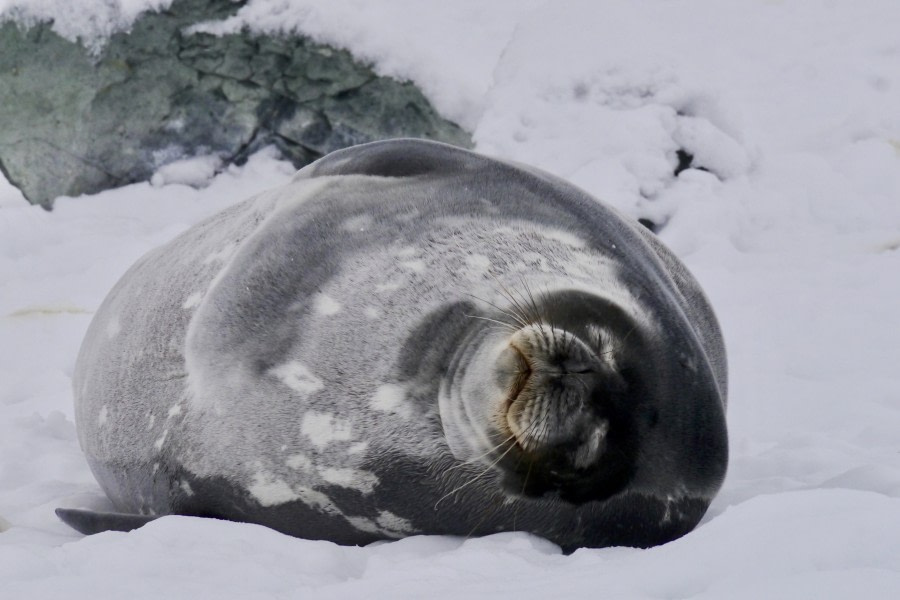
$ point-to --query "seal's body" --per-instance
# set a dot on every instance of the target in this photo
(409, 338)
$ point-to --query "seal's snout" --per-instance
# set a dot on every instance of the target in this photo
(564, 391)
(550, 403)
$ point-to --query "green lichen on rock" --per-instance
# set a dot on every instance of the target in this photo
(75, 122)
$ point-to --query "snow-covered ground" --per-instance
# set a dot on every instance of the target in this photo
(792, 227)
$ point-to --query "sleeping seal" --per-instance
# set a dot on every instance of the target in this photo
(409, 338)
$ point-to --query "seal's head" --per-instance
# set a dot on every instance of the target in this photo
(547, 398)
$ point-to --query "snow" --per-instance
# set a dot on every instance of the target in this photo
(92, 21)
(792, 227)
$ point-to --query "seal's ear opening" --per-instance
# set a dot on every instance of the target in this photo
(90, 522)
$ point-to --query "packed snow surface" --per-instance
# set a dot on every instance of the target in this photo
(789, 217)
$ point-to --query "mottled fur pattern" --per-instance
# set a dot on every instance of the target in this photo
(290, 352)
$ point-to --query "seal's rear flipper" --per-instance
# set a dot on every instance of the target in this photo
(89, 522)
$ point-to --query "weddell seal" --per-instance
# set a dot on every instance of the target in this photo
(409, 338)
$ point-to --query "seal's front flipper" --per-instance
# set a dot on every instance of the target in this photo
(89, 522)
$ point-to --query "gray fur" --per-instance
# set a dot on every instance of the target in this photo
(291, 350)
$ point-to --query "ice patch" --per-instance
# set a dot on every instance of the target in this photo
(391, 398)
(324, 428)
(186, 487)
(193, 301)
(196, 171)
(270, 491)
(388, 287)
(371, 312)
(151, 421)
(174, 411)
(101, 418)
(298, 377)
(355, 479)
(326, 305)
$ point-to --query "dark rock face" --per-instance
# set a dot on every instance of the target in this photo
(73, 123)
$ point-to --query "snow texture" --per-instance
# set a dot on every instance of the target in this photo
(792, 225)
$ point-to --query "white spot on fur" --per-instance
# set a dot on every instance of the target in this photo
(394, 524)
(390, 286)
(354, 479)
(407, 252)
(301, 462)
(391, 398)
(387, 524)
(358, 448)
(186, 487)
(414, 265)
(175, 410)
(311, 497)
(565, 237)
(269, 491)
(478, 262)
(155, 468)
(296, 376)
(324, 428)
(667, 516)
(101, 418)
(158, 444)
(359, 223)
(326, 305)
(113, 327)
(193, 301)
(222, 255)
(151, 422)
(371, 312)
(364, 524)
